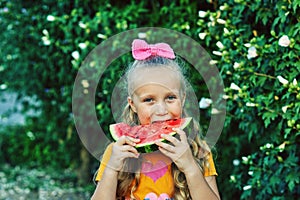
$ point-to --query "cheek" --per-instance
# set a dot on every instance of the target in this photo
(144, 114)
(176, 109)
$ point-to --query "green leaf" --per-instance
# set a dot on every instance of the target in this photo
(268, 117)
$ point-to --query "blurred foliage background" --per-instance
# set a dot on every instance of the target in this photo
(254, 44)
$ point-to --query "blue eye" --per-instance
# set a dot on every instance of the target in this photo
(147, 100)
(171, 97)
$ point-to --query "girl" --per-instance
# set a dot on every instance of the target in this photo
(181, 169)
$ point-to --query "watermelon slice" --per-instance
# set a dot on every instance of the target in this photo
(148, 133)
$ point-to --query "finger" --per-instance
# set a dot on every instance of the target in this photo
(135, 140)
(129, 148)
(165, 152)
(170, 138)
(127, 140)
(181, 133)
(165, 146)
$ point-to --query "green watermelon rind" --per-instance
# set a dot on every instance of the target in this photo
(151, 143)
(182, 126)
(113, 132)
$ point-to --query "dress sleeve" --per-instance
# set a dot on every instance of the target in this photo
(210, 170)
(104, 161)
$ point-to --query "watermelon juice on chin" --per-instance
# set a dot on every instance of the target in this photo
(149, 133)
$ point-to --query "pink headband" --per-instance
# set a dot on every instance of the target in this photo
(141, 50)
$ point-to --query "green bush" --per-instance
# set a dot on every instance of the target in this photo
(255, 45)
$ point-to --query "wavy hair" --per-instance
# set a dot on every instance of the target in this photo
(130, 173)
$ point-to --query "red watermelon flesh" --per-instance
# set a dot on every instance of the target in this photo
(148, 133)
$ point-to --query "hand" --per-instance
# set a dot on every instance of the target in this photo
(123, 148)
(179, 151)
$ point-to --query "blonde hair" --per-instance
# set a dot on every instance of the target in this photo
(128, 177)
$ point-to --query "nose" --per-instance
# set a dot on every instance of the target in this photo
(160, 109)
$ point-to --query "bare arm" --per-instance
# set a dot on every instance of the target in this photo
(107, 187)
(201, 187)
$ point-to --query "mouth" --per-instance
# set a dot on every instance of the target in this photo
(160, 120)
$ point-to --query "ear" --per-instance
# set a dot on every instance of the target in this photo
(131, 104)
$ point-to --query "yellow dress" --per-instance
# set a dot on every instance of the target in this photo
(156, 180)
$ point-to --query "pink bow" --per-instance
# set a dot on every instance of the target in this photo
(141, 50)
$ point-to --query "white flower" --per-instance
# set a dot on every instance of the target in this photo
(220, 45)
(236, 65)
(215, 111)
(202, 13)
(236, 162)
(202, 35)
(233, 86)
(245, 159)
(46, 40)
(268, 145)
(225, 96)
(85, 83)
(250, 173)
(284, 109)
(226, 31)
(205, 103)
(247, 45)
(210, 24)
(3, 86)
(284, 41)
(282, 146)
(82, 25)
(213, 62)
(92, 64)
(252, 52)
(99, 35)
(75, 55)
(282, 80)
(50, 18)
(247, 187)
(295, 82)
(221, 21)
(217, 53)
(45, 32)
(250, 104)
(232, 178)
(222, 7)
(142, 35)
(82, 45)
